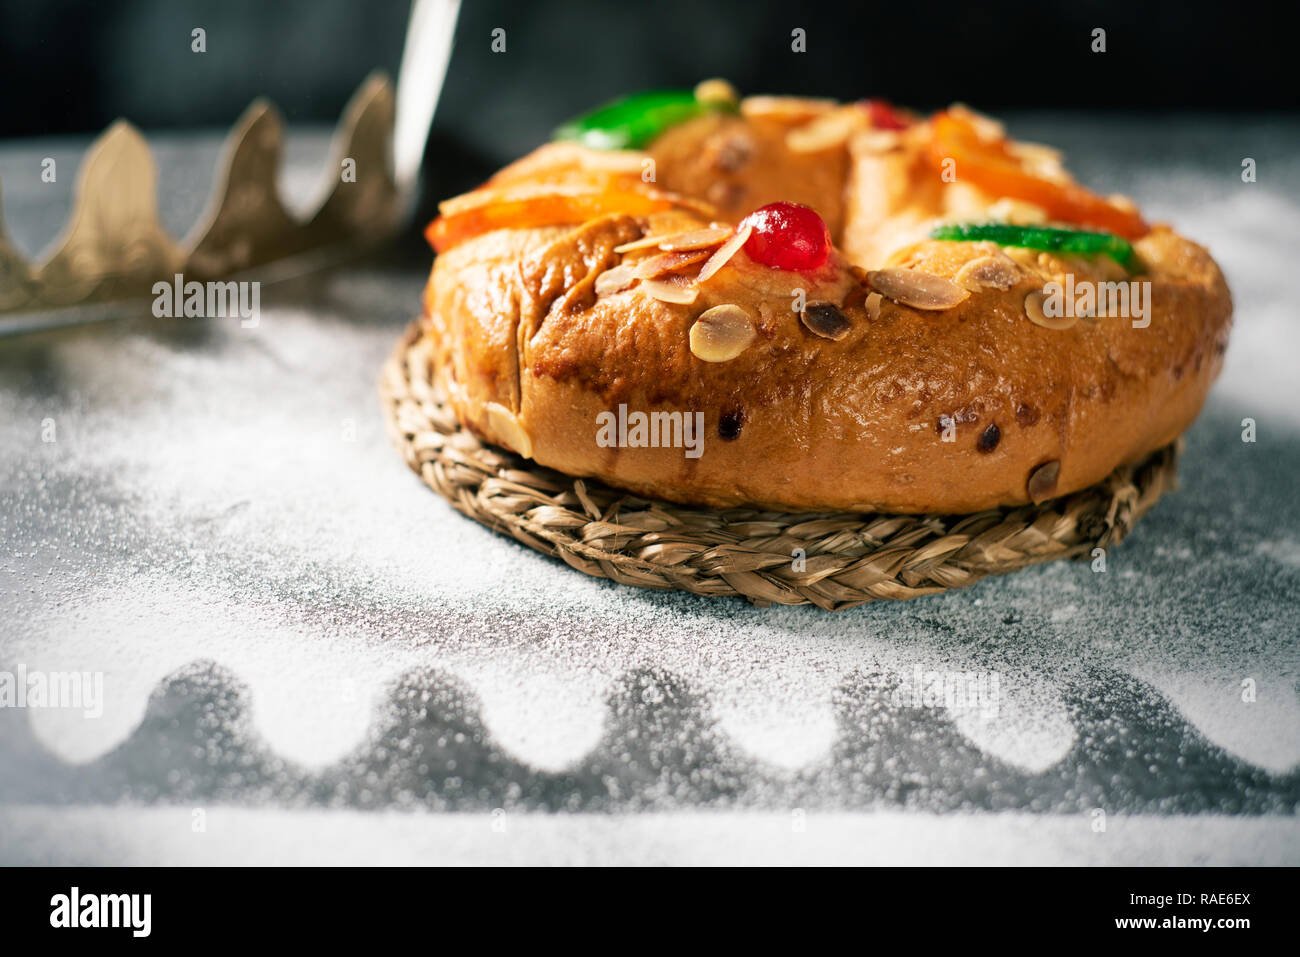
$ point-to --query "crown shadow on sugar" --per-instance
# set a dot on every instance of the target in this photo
(661, 748)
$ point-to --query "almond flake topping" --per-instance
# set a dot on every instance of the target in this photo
(724, 253)
(615, 279)
(722, 333)
(920, 290)
(1034, 310)
(666, 291)
(696, 239)
(665, 263)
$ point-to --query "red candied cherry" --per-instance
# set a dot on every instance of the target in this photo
(787, 236)
(883, 116)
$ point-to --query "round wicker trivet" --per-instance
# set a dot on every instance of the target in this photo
(835, 560)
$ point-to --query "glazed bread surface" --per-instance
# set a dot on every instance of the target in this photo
(976, 405)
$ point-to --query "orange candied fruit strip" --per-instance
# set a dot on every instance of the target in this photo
(450, 230)
(991, 167)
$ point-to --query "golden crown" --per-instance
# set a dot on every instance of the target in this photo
(114, 247)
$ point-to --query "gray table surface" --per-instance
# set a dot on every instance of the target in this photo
(309, 657)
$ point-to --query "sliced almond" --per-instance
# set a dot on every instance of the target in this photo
(1108, 269)
(878, 141)
(1017, 212)
(677, 242)
(646, 242)
(1042, 481)
(508, 429)
(667, 291)
(1025, 258)
(920, 290)
(615, 279)
(1037, 151)
(988, 272)
(826, 131)
(785, 107)
(666, 263)
(717, 91)
(1123, 202)
(1039, 160)
(1034, 310)
(986, 127)
(722, 333)
(826, 320)
(724, 253)
(696, 239)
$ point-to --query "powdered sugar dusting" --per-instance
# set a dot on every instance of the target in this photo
(227, 495)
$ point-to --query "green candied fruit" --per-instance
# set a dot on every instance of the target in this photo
(635, 121)
(1039, 237)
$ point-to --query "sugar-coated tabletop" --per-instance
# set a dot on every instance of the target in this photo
(297, 638)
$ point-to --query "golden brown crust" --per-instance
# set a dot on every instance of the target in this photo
(910, 411)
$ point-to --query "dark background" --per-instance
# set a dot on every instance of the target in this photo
(73, 67)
